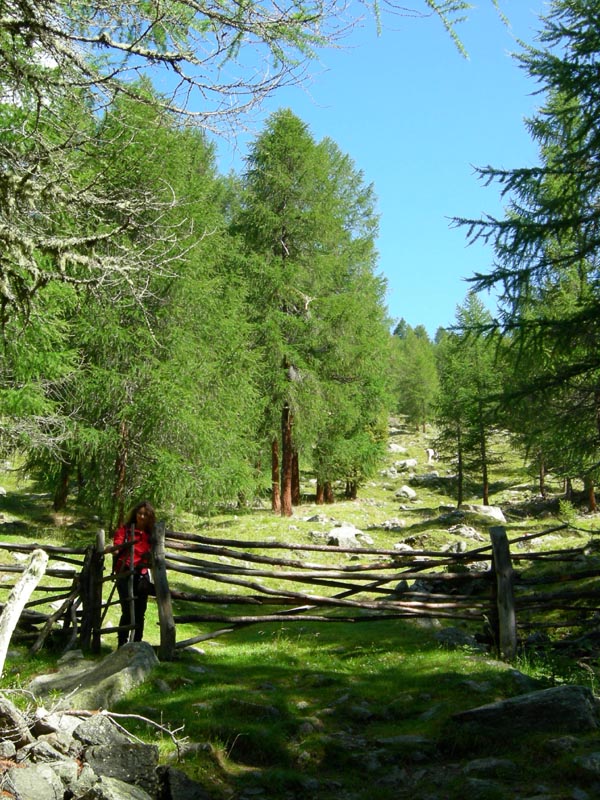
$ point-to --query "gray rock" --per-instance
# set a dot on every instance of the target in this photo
(61, 741)
(131, 763)
(113, 789)
(100, 685)
(175, 785)
(394, 524)
(7, 749)
(47, 723)
(99, 730)
(406, 464)
(345, 536)
(77, 778)
(396, 448)
(590, 763)
(406, 491)
(38, 781)
(560, 709)
(491, 766)
(37, 752)
(467, 532)
(454, 638)
(488, 512)
(427, 479)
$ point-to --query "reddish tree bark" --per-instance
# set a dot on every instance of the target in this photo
(286, 461)
(295, 479)
(320, 494)
(328, 491)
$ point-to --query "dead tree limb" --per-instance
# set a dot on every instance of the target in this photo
(34, 571)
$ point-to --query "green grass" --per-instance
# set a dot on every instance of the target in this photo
(320, 710)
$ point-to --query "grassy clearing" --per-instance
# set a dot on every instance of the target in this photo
(323, 710)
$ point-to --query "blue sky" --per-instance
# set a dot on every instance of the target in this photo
(416, 117)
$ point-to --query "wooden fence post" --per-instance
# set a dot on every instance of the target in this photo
(96, 584)
(84, 592)
(166, 651)
(505, 598)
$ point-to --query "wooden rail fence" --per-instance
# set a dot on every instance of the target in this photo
(222, 584)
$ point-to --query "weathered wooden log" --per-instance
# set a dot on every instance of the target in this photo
(227, 552)
(163, 595)
(84, 592)
(45, 632)
(319, 548)
(202, 568)
(17, 599)
(71, 624)
(203, 637)
(50, 549)
(51, 571)
(505, 596)
(96, 579)
(45, 600)
(300, 617)
(583, 574)
(311, 598)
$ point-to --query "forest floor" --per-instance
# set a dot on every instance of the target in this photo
(342, 711)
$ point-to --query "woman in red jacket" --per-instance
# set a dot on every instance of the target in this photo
(135, 535)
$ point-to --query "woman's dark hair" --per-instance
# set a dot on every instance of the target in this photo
(151, 514)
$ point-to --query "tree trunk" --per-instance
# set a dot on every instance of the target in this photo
(460, 469)
(568, 489)
(484, 464)
(286, 461)
(275, 496)
(542, 475)
(589, 490)
(351, 490)
(296, 499)
(62, 487)
(320, 493)
(328, 491)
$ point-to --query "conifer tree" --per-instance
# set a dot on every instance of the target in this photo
(548, 244)
(470, 381)
(416, 378)
(309, 224)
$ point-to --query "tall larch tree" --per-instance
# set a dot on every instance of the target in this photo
(547, 246)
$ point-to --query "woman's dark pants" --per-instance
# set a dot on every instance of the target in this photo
(140, 602)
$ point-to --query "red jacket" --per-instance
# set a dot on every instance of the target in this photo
(142, 547)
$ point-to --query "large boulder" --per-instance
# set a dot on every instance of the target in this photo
(493, 513)
(101, 684)
(560, 709)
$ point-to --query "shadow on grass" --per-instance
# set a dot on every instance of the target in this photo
(290, 707)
